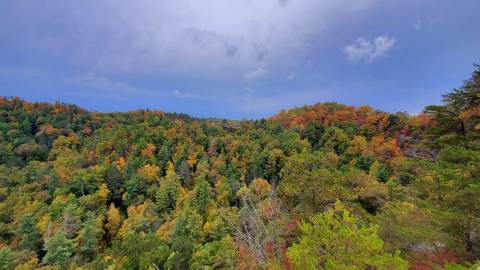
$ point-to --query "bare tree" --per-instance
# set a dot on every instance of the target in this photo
(259, 229)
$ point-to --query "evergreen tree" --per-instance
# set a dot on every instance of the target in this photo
(88, 238)
(31, 239)
(6, 258)
(58, 249)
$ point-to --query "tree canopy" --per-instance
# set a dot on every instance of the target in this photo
(326, 186)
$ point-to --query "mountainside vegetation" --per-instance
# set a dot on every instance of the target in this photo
(326, 186)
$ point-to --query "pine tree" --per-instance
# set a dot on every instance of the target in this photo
(31, 239)
(58, 249)
(88, 237)
(6, 258)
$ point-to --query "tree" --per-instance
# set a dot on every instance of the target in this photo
(203, 196)
(88, 237)
(140, 251)
(335, 139)
(58, 249)
(184, 171)
(6, 258)
(168, 192)
(467, 96)
(31, 239)
(311, 182)
(185, 235)
(71, 220)
(356, 147)
(259, 232)
(313, 133)
(114, 221)
(140, 218)
(459, 114)
(404, 226)
(216, 255)
(135, 188)
(337, 240)
(223, 192)
(114, 181)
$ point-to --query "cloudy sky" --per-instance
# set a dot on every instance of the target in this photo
(236, 58)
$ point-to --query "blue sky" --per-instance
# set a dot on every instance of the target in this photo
(237, 58)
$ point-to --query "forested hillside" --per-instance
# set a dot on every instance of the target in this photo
(327, 186)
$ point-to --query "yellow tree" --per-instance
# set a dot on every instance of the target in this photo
(114, 221)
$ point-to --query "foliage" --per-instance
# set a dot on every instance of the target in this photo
(337, 240)
(147, 189)
(58, 249)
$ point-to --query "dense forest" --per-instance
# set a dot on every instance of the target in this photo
(326, 186)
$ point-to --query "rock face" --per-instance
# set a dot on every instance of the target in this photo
(422, 247)
(230, 128)
(473, 243)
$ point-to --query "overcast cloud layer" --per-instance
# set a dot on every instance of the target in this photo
(177, 37)
(202, 57)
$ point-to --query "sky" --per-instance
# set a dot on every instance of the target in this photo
(238, 58)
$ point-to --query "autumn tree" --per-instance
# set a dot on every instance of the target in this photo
(114, 221)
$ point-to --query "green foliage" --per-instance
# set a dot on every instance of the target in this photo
(114, 181)
(202, 196)
(403, 225)
(185, 235)
(140, 251)
(311, 180)
(337, 240)
(168, 192)
(152, 190)
(89, 237)
(6, 258)
(31, 238)
(335, 139)
(58, 249)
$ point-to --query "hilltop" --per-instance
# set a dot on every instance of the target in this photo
(326, 186)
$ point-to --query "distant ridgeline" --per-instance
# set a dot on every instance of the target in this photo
(326, 186)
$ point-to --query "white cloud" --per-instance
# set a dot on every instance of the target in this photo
(255, 74)
(92, 80)
(182, 94)
(367, 51)
(105, 85)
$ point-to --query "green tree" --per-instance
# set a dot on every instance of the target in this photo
(310, 181)
(168, 192)
(6, 258)
(31, 239)
(141, 251)
(135, 189)
(457, 117)
(335, 139)
(184, 239)
(203, 196)
(114, 180)
(58, 249)
(88, 237)
(337, 240)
